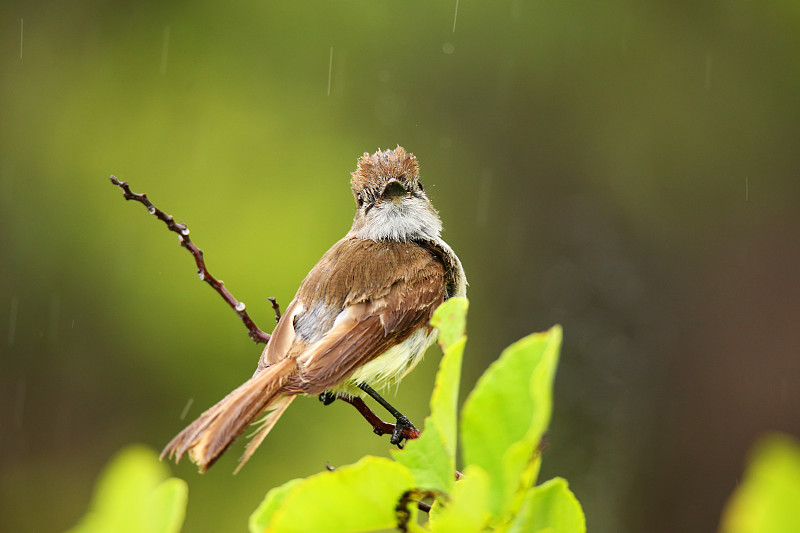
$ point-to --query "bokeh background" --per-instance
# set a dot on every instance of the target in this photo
(628, 169)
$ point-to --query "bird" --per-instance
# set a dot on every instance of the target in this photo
(359, 321)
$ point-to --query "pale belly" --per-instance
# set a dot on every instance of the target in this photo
(392, 366)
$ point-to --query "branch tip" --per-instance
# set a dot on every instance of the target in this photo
(257, 335)
(276, 308)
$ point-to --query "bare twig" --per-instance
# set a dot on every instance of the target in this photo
(276, 308)
(256, 334)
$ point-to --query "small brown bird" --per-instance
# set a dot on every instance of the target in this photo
(359, 320)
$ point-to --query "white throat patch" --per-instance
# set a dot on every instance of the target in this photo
(411, 219)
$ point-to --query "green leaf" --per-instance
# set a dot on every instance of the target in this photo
(432, 457)
(507, 413)
(427, 460)
(467, 510)
(133, 495)
(767, 500)
(260, 518)
(444, 400)
(167, 506)
(551, 507)
(451, 320)
(354, 498)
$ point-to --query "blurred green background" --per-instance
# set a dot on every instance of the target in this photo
(628, 169)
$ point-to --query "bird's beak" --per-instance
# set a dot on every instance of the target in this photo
(394, 189)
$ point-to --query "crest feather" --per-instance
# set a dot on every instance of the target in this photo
(375, 170)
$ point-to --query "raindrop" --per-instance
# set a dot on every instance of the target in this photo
(151, 210)
(330, 70)
(186, 408)
(484, 194)
(12, 321)
(55, 319)
(185, 231)
(240, 306)
(164, 50)
(448, 48)
(19, 404)
(201, 275)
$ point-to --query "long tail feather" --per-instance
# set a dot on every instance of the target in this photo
(207, 438)
(265, 426)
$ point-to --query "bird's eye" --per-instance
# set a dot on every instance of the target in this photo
(360, 199)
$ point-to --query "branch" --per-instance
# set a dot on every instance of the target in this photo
(256, 334)
(276, 308)
(413, 496)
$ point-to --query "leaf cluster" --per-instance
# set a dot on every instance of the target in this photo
(768, 499)
(502, 423)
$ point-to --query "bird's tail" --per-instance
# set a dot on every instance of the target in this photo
(207, 438)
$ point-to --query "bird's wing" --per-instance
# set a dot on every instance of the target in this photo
(365, 330)
(361, 299)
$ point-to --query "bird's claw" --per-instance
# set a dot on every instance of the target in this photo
(403, 430)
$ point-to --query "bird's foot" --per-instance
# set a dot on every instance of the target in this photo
(327, 398)
(403, 430)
